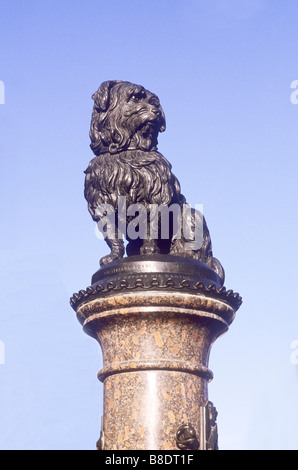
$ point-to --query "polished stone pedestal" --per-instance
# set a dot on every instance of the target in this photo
(156, 318)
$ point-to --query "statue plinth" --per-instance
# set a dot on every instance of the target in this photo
(156, 318)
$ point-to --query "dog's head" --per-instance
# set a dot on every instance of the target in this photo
(125, 116)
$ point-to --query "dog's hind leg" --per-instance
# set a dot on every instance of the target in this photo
(114, 242)
(104, 215)
(117, 251)
(149, 245)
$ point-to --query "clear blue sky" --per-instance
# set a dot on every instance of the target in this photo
(222, 70)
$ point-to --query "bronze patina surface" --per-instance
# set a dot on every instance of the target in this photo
(126, 121)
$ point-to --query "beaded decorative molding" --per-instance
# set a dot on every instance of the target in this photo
(152, 281)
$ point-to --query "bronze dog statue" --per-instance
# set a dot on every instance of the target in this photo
(126, 121)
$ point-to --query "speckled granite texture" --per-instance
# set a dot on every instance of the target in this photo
(155, 363)
(155, 327)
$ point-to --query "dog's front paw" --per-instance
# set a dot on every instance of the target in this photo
(149, 249)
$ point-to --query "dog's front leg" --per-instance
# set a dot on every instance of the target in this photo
(150, 242)
(149, 247)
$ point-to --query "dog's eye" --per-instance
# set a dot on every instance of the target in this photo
(136, 97)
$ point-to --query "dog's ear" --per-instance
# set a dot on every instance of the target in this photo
(102, 96)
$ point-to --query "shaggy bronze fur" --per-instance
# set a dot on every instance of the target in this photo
(126, 121)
